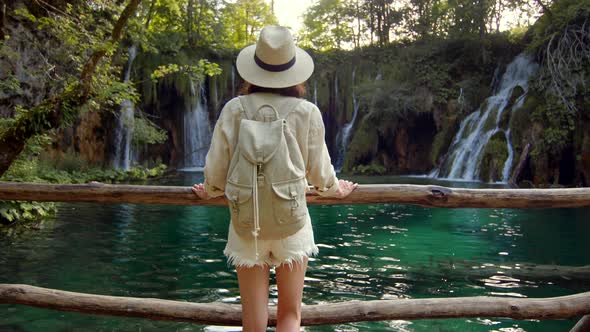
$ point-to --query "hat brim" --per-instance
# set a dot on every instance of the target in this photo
(251, 72)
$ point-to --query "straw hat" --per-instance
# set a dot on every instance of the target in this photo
(274, 61)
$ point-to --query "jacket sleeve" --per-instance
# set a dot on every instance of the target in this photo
(320, 171)
(217, 161)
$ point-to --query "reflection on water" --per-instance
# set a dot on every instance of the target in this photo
(367, 252)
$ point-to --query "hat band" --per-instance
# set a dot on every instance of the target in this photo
(274, 68)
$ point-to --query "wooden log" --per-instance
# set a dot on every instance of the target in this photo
(424, 195)
(336, 313)
(583, 325)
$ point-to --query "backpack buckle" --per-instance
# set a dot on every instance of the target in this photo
(294, 201)
(236, 198)
(260, 179)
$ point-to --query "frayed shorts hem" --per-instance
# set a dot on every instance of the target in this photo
(237, 260)
(241, 252)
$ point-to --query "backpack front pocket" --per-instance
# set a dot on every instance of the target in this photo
(240, 204)
(288, 201)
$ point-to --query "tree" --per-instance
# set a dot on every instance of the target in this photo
(62, 108)
(428, 17)
(243, 20)
(328, 24)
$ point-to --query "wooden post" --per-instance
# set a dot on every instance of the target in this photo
(583, 325)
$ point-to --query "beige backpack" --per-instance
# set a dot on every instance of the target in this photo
(266, 181)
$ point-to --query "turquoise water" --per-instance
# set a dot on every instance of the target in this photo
(381, 251)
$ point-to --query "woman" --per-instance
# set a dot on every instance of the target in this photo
(274, 70)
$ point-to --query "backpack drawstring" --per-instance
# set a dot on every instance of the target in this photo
(256, 230)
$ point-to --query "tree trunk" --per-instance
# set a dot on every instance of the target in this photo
(149, 15)
(544, 7)
(2, 21)
(50, 113)
(190, 10)
(358, 20)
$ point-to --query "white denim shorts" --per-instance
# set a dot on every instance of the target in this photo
(242, 252)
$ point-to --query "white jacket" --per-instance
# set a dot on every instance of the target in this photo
(305, 120)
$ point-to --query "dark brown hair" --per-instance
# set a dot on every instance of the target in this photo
(292, 91)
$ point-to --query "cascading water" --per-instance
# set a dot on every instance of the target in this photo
(124, 131)
(466, 151)
(343, 136)
(197, 130)
(508, 162)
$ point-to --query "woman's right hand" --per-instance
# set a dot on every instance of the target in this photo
(345, 187)
(199, 190)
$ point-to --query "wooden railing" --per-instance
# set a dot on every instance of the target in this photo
(424, 195)
(224, 314)
(334, 313)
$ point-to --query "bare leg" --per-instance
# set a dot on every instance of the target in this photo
(290, 287)
(253, 283)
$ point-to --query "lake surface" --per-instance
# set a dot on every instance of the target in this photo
(367, 252)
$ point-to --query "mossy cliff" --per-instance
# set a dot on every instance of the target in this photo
(555, 118)
(413, 98)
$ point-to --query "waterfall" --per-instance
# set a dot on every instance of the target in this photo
(197, 130)
(466, 150)
(124, 131)
(343, 136)
(509, 159)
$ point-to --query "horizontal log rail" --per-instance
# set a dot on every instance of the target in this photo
(336, 313)
(424, 195)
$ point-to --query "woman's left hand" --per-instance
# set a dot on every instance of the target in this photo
(199, 190)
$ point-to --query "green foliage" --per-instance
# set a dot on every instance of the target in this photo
(10, 85)
(371, 169)
(146, 132)
(561, 83)
(558, 126)
(328, 24)
(362, 147)
(353, 23)
(560, 39)
(62, 44)
(195, 72)
(243, 19)
(562, 14)
(12, 212)
(35, 166)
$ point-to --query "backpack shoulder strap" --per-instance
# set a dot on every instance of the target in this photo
(243, 112)
(291, 105)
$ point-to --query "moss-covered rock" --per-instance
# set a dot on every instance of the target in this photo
(520, 122)
(448, 125)
(490, 121)
(494, 157)
(504, 122)
(363, 147)
(371, 169)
